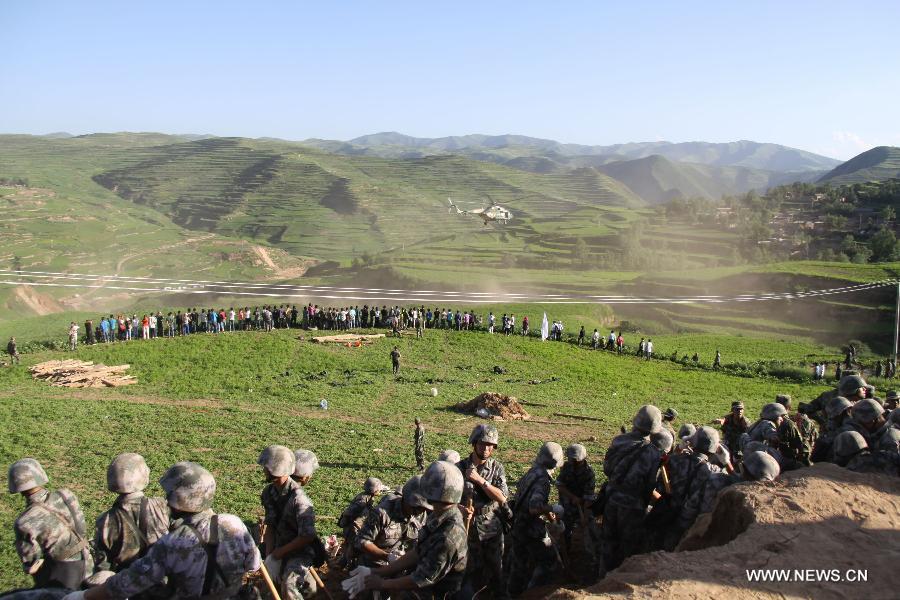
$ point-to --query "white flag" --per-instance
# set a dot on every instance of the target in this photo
(545, 328)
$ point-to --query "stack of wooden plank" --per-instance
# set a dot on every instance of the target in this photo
(347, 338)
(81, 374)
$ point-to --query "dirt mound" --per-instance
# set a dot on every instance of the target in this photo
(825, 518)
(498, 405)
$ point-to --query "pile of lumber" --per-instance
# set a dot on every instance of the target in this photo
(81, 374)
(348, 338)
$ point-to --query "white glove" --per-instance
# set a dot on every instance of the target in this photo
(273, 566)
(394, 555)
(356, 584)
(79, 595)
(723, 455)
(360, 569)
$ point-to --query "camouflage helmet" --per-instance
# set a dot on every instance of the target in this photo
(277, 460)
(451, 456)
(783, 399)
(189, 487)
(305, 463)
(26, 474)
(550, 455)
(772, 411)
(836, 406)
(671, 414)
(648, 419)
(442, 482)
(866, 411)
(374, 486)
(576, 452)
(760, 466)
(412, 493)
(890, 440)
(484, 433)
(850, 384)
(848, 443)
(705, 439)
(749, 445)
(127, 473)
(687, 430)
(663, 440)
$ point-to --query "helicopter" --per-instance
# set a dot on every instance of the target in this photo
(492, 213)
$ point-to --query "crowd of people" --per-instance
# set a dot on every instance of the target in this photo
(453, 531)
(122, 328)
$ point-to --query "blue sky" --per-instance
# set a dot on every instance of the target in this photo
(822, 76)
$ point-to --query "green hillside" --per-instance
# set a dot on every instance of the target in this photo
(657, 179)
(744, 153)
(336, 207)
(878, 164)
(64, 221)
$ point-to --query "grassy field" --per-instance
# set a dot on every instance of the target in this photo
(219, 400)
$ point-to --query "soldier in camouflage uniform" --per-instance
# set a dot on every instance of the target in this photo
(575, 484)
(419, 444)
(305, 464)
(391, 528)
(852, 451)
(438, 561)
(797, 435)
(354, 516)
(734, 425)
(836, 411)
(765, 429)
(290, 524)
(851, 386)
(135, 522)
(181, 557)
(689, 475)
(50, 532)
(486, 490)
(631, 466)
(668, 419)
(533, 554)
(865, 419)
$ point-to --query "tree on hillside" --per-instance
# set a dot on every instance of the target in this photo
(887, 214)
(884, 245)
(580, 253)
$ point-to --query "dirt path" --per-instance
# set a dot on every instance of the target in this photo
(263, 253)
